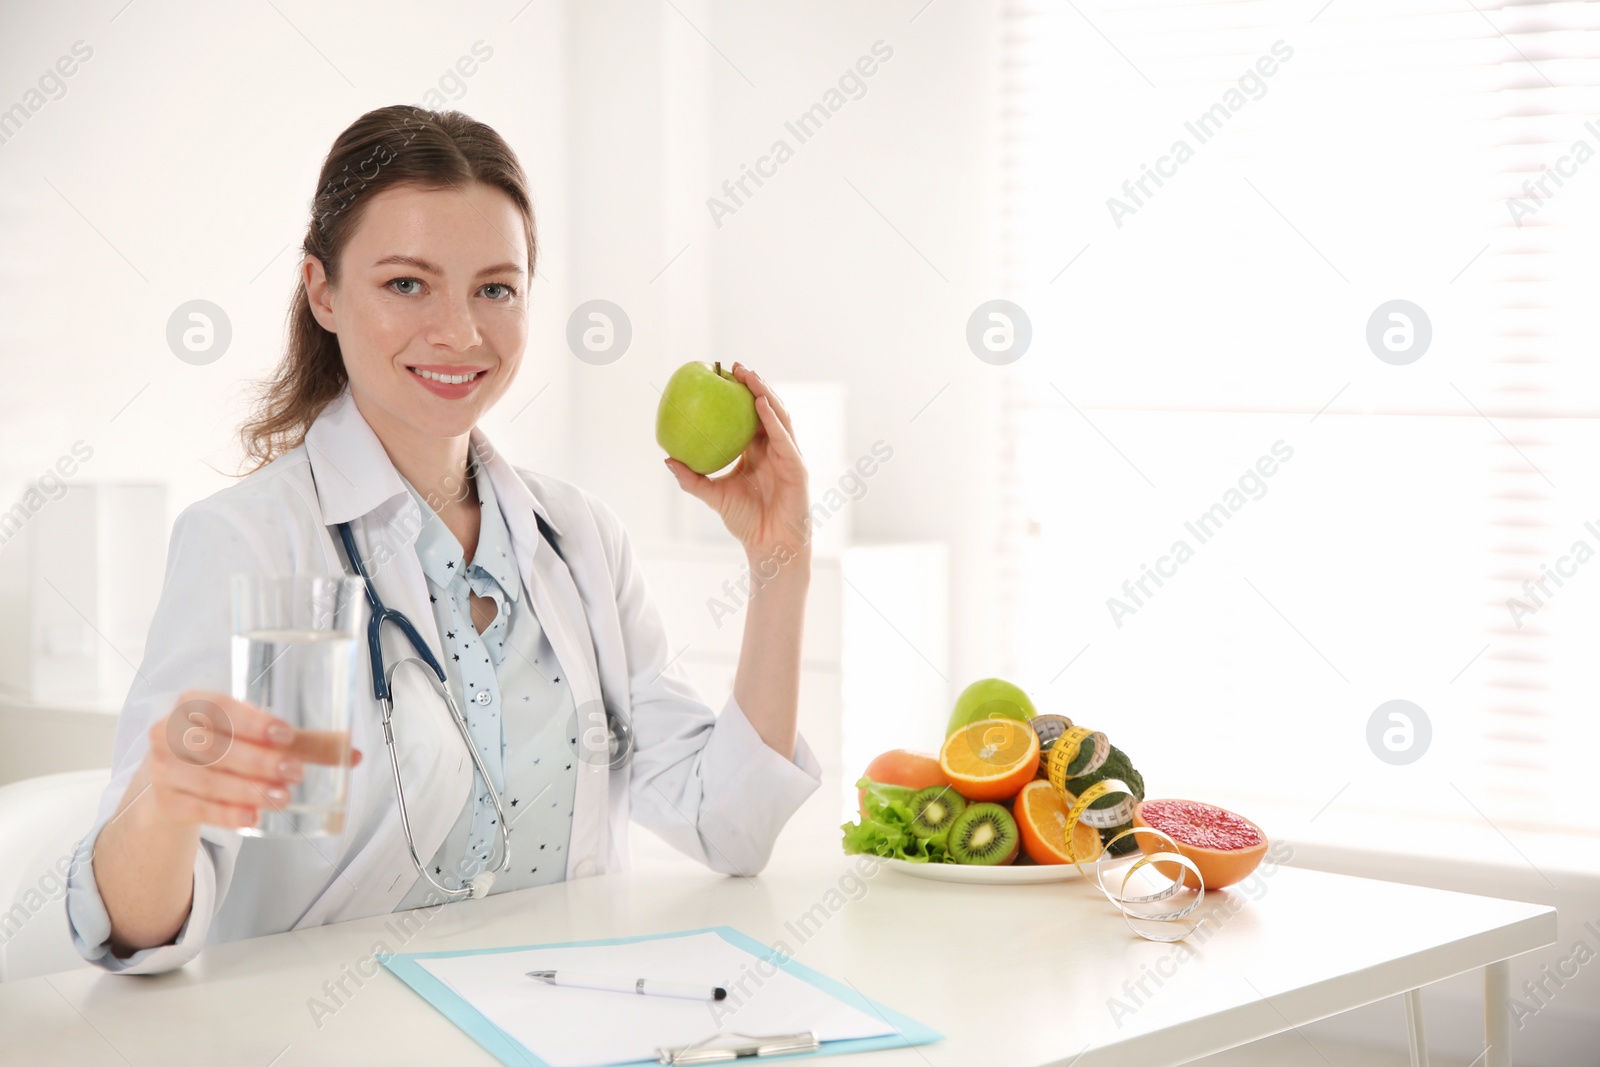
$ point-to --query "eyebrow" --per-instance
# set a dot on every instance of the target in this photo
(431, 268)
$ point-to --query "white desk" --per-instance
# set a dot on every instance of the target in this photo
(1014, 976)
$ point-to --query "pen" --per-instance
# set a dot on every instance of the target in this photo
(646, 986)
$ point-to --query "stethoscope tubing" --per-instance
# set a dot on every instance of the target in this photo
(477, 761)
(382, 692)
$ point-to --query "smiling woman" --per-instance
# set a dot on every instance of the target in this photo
(519, 591)
(369, 299)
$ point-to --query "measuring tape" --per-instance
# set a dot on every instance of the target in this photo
(1063, 753)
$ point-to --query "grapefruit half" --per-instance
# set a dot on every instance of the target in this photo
(1225, 846)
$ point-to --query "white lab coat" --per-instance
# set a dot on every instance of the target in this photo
(707, 784)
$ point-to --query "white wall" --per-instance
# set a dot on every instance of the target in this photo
(805, 281)
(179, 164)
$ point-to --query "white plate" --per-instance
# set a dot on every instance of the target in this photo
(1014, 874)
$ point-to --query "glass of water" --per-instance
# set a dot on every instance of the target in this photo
(294, 655)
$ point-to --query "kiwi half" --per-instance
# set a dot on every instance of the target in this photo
(984, 834)
(934, 809)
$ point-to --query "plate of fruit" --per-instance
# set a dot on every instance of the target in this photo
(984, 808)
(992, 805)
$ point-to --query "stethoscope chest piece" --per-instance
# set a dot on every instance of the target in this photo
(619, 740)
(584, 724)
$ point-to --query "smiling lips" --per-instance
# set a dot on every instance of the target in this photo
(446, 381)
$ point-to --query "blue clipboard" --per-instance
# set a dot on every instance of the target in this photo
(507, 1050)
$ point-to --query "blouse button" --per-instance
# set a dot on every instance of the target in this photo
(483, 697)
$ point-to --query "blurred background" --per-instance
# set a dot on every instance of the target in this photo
(1227, 372)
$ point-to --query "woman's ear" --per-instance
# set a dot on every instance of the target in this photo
(319, 293)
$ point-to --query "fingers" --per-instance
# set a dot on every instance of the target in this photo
(324, 746)
(200, 711)
(205, 727)
(778, 433)
(697, 485)
(211, 785)
(217, 760)
(780, 428)
(759, 387)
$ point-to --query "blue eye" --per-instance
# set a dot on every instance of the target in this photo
(510, 292)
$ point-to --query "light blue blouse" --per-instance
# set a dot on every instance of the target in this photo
(519, 711)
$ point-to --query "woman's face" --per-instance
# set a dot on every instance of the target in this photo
(433, 284)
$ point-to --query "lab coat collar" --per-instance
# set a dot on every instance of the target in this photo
(515, 496)
(354, 475)
(353, 472)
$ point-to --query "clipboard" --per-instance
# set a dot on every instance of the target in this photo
(507, 1050)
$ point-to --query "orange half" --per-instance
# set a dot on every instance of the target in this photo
(991, 759)
(1041, 813)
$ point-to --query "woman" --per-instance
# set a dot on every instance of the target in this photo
(408, 325)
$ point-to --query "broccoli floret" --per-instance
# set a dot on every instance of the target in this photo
(1117, 765)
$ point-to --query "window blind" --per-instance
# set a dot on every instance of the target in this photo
(1205, 206)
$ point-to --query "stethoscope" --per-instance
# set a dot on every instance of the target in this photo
(619, 733)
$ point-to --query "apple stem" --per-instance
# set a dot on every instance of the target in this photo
(717, 368)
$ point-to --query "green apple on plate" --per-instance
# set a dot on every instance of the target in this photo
(706, 417)
(990, 698)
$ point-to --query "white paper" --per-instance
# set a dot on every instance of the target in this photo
(588, 1028)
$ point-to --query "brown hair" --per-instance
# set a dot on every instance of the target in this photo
(383, 148)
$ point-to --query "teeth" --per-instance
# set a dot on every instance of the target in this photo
(448, 379)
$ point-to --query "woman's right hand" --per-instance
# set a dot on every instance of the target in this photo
(219, 761)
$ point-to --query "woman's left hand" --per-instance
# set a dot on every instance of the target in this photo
(763, 500)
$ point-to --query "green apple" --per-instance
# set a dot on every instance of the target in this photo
(990, 698)
(706, 417)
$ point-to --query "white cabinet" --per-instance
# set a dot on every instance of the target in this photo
(79, 581)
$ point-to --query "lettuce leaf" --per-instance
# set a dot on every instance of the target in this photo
(885, 827)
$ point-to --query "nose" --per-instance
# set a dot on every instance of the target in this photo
(453, 324)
